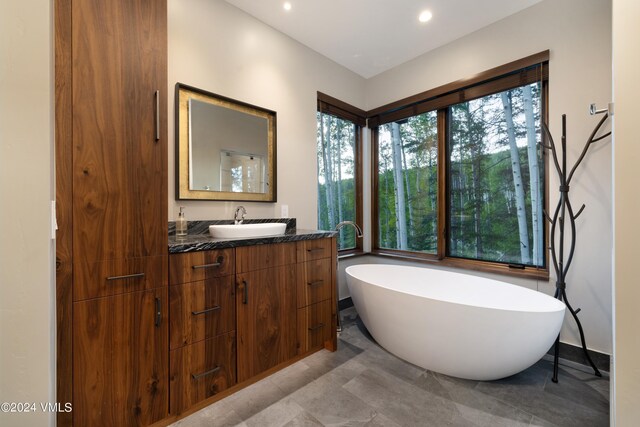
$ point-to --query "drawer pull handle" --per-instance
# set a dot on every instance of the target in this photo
(317, 282)
(212, 265)
(128, 276)
(315, 328)
(204, 374)
(315, 249)
(206, 310)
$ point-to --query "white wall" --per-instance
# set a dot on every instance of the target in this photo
(218, 48)
(578, 35)
(626, 91)
(27, 288)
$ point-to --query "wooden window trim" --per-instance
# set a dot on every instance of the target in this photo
(482, 77)
(342, 110)
(514, 74)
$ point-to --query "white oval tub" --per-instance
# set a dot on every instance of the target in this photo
(456, 324)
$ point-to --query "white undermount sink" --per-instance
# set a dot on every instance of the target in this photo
(238, 231)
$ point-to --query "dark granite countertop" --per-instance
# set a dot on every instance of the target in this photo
(198, 238)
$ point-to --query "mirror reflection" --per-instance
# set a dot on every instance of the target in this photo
(225, 148)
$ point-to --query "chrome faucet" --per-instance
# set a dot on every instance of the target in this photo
(239, 209)
(356, 226)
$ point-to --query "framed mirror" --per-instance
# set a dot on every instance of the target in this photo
(225, 149)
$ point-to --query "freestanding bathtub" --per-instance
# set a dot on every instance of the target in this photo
(456, 324)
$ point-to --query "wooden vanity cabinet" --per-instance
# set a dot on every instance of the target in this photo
(240, 312)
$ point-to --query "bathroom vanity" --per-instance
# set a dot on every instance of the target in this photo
(241, 309)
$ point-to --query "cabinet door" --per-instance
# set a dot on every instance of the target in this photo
(119, 51)
(266, 310)
(120, 359)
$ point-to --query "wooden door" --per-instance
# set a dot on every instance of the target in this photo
(119, 128)
(266, 310)
(120, 359)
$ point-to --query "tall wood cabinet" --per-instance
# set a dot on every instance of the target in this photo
(111, 103)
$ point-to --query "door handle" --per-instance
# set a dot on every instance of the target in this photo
(157, 115)
(245, 294)
(158, 312)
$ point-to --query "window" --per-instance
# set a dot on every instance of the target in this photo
(459, 174)
(339, 171)
(408, 184)
(495, 178)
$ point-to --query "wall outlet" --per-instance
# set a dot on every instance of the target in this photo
(284, 211)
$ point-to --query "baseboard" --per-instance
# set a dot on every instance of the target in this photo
(574, 354)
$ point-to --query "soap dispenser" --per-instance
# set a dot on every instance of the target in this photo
(181, 224)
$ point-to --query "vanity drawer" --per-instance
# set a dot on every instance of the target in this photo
(200, 310)
(257, 257)
(314, 281)
(314, 249)
(314, 326)
(201, 370)
(194, 266)
(118, 276)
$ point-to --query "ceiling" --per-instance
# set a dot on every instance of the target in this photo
(372, 36)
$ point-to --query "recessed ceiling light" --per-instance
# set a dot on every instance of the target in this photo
(287, 6)
(424, 16)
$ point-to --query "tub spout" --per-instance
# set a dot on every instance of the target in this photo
(353, 224)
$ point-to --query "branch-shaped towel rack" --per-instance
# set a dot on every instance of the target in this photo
(564, 216)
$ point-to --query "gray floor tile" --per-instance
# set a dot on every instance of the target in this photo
(294, 377)
(330, 404)
(400, 401)
(529, 393)
(379, 358)
(304, 419)
(255, 398)
(476, 406)
(382, 421)
(220, 414)
(494, 414)
(276, 415)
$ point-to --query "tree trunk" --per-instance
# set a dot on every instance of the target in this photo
(517, 179)
(339, 168)
(326, 157)
(407, 189)
(534, 179)
(401, 220)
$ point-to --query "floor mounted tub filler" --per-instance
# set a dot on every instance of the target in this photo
(456, 324)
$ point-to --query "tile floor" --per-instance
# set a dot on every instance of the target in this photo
(363, 385)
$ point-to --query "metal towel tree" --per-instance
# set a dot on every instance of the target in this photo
(564, 211)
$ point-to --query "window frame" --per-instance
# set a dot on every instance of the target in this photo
(518, 73)
(330, 105)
